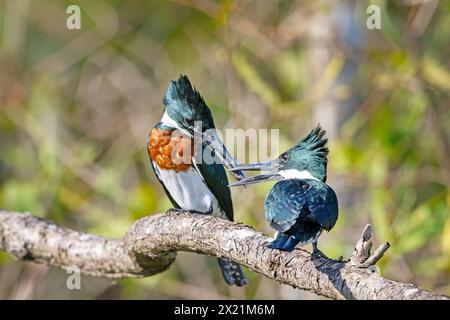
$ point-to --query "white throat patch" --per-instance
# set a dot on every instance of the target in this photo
(167, 120)
(296, 174)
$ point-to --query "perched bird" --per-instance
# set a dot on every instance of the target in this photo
(191, 180)
(301, 205)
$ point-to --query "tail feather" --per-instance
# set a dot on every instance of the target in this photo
(232, 272)
(284, 243)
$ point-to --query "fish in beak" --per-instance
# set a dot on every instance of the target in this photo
(270, 166)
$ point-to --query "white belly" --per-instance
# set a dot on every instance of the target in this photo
(189, 191)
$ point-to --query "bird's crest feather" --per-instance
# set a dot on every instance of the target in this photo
(316, 142)
(183, 91)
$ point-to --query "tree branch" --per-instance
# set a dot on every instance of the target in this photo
(150, 246)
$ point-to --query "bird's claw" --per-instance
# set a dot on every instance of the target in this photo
(182, 211)
(319, 254)
(316, 253)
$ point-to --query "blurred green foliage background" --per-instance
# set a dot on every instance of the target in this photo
(76, 107)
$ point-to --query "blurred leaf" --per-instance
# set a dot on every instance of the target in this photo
(446, 238)
(141, 201)
(254, 81)
(424, 223)
(287, 65)
(73, 200)
(4, 258)
(325, 83)
(436, 74)
(107, 224)
(22, 196)
(108, 181)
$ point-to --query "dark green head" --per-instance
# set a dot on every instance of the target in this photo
(306, 160)
(186, 107)
(310, 155)
(186, 110)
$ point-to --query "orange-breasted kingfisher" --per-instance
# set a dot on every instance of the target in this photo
(188, 158)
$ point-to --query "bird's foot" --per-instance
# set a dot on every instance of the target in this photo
(320, 254)
(181, 211)
(272, 246)
(316, 253)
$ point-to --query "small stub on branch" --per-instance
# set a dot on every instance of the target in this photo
(362, 256)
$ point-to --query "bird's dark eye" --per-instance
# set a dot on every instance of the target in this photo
(284, 157)
(189, 121)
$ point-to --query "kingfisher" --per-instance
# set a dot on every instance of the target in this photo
(188, 158)
(300, 205)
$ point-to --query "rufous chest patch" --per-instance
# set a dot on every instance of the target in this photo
(171, 150)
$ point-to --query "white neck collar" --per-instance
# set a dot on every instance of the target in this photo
(296, 174)
(167, 120)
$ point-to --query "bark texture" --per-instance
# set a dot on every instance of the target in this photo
(150, 246)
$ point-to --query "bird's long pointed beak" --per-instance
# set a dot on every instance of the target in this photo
(272, 175)
(256, 179)
(212, 140)
(263, 166)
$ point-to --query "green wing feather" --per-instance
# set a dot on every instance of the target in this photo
(217, 181)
